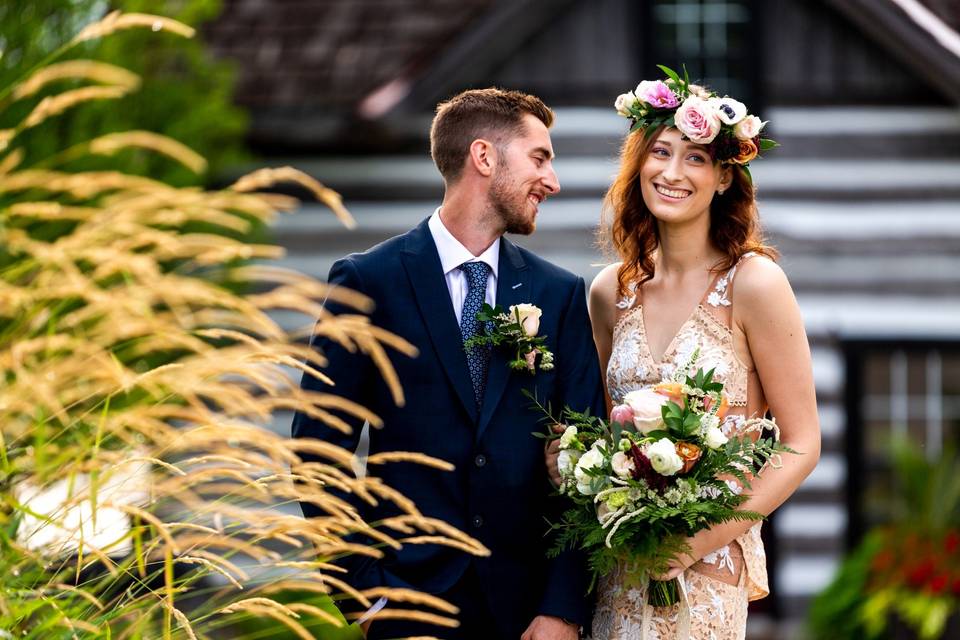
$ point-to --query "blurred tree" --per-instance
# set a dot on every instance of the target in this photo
(185, 93)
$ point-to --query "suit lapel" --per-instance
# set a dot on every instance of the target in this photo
(422, 263)
(513, 287)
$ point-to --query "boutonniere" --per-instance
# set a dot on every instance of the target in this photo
(517, 329)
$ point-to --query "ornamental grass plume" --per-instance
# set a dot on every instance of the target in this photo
(142, 496)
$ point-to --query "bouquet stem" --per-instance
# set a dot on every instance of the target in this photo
(663, 593)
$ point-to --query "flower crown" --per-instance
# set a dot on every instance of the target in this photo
(721, 123)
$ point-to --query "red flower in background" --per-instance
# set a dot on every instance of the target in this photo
(951, 542)
(938, 584)
(920, 574)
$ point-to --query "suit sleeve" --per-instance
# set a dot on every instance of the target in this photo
(579, 387)
(350, 372)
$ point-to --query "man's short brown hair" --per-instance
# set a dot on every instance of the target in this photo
(494, 114)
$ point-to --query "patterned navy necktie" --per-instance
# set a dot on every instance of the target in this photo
(478, 358)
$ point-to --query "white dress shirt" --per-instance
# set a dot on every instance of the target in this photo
(453, 254)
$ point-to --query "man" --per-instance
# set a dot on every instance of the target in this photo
(494, 152)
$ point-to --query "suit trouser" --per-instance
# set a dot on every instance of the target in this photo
(477, 621)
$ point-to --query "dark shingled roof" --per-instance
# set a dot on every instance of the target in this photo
(332, 53)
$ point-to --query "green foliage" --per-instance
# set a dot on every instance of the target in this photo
(185, 95)
(906, 571)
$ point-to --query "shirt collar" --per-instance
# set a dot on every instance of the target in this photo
(453, 253)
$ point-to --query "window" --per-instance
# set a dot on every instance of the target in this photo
(715, 39)
(895, 389)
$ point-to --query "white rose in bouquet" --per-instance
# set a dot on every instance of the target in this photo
(646, 405)
(623, 465)
(528, 315)
(569, 439)
(567, 462)
(714, 438)
(663, 457)
(590, 460)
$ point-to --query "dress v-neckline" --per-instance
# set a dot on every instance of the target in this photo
(671, 345)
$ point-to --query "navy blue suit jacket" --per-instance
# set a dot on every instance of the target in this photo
(499, 492)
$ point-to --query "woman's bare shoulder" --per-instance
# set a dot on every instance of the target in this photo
(603, 290)
(759, 282)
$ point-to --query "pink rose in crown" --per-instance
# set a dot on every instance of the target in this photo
(657, 94)
(697, 120)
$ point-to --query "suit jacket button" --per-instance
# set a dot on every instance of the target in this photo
(480, 460)
(477, 521)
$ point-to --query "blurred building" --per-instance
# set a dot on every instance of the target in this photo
(862, 198)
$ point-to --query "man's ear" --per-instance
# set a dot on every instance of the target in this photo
(482, 157)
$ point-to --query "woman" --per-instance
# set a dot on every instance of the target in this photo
(693, 273)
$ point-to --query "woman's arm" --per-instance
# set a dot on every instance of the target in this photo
(601, 305)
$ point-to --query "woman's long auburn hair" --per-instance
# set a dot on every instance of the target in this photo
(631, 231)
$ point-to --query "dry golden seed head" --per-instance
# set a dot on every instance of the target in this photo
(210, 566)
(114, 142)
(57, 104)
(411, 614)
(11, 162)
(411, 596)
(410, 456)
(263, 178)
(182, 619)
(92, 70)
(117, 21)
(317, 612)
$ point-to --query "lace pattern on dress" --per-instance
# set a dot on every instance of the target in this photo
(717, 610)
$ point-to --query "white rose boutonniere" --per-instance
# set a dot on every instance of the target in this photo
(517, 328)
(528, 315)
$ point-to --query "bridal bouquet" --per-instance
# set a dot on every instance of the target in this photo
(664, 466)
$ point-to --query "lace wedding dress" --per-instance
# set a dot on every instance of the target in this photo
(717, 588)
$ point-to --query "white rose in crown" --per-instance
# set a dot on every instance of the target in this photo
(646, 405)
(529, 317)
(590, 460)
(624, 102)
(748, 128)
(663, 457)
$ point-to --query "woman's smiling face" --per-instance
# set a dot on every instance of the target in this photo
(679, 178)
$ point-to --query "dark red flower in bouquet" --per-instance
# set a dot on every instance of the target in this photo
(643, 470)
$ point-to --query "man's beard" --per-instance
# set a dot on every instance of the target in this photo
(508, 204)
